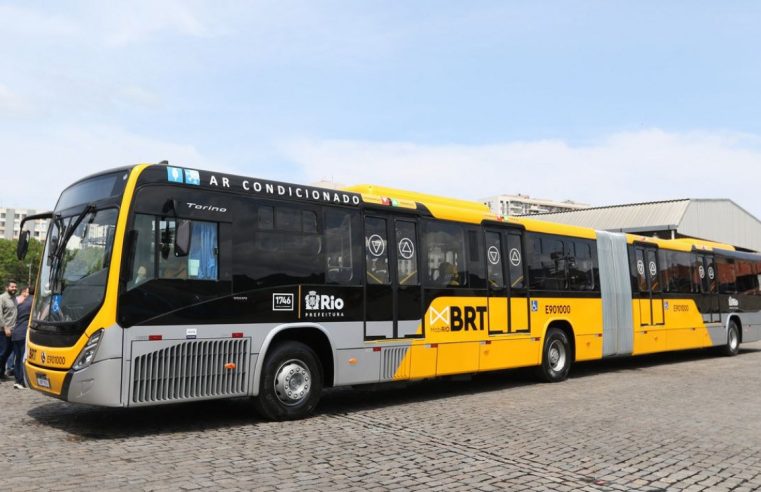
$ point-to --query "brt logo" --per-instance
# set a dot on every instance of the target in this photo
(456, 318)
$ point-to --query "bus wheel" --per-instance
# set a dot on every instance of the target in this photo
(291, 382)
(556, 357)
(732, 346)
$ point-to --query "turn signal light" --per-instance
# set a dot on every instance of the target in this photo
(230, 365)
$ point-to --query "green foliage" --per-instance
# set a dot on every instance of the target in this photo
(13, 269)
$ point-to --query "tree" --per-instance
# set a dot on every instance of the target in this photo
(13, 269)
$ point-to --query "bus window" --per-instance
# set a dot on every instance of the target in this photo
(581, 267)
(376, 246)
(445, 247)
(747, 281)
(144, 264)
(406, 253)
(288, 249)
(494, 260)
(201, 261)
(515, 256)
(476, 271)
(342, 252)
(727, 278)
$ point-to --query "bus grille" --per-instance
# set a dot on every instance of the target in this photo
(392, 363)
(190, 370)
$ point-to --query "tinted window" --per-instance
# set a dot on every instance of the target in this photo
(515, 261)
(747, 280)
(581, 267)
(93, 190)
(290, 250)
(376, 247)
(494, 260)
(725, 268)
(342, 245)
(201, 263)
(445, 255)
(476, 267)
(677, 269)
(547, 267)
(406, 253)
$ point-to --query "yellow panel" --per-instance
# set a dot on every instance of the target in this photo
(588, 347)
(56, 379)
(657, 307)
(458, 358)
(519, 313)
(645, 315)
(510, 352)
(423, 361)
(498, 314)
(685, 325)
(649, 340)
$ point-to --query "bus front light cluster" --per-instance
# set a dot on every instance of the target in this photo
(88, 353)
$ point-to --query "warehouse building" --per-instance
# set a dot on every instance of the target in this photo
(720, 220)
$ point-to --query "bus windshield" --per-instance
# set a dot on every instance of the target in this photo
(75, 266)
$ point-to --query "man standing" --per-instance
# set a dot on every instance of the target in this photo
(8, 322)
(18, 337)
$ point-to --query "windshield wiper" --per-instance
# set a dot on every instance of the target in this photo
(72, 227)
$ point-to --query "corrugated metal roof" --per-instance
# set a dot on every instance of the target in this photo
(720, 220)
(661, 215)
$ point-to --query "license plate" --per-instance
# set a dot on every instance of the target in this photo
(43, 381)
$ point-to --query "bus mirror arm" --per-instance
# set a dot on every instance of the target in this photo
(23, 240)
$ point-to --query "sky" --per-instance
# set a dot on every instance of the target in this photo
(600, 102)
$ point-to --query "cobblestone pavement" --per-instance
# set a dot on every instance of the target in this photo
(687, 421)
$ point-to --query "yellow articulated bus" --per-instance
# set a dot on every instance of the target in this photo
(163, 284)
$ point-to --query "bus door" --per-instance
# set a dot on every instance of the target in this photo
(518, 286)
(393, 296)
(499, 312)
(508, 294)
(705, 267)
(651, 293)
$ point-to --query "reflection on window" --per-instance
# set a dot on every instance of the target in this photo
(376, 247)
(444, 246)
(158, 259)
(341, 249)
(406, 253)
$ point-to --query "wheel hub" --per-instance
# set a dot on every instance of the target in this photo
(557, 356)
(292, 382)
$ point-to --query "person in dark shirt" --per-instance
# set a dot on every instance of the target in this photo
(18, 336)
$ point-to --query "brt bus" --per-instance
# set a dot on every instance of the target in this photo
(162, 284)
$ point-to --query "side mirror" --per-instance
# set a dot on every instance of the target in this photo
(23, 245)
(182, 237)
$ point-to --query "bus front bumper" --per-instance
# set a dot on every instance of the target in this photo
(97, 384)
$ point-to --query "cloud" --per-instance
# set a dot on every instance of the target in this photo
(621, 168)
(139, 20)
(40, 166)
(12, 103)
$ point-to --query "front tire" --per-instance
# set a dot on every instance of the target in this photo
(556, 357)
(291, 382)
(732, 346)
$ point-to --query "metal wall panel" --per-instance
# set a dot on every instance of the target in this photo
(616, 291)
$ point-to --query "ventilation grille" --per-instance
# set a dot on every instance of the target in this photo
(392, 364)
(190, 370)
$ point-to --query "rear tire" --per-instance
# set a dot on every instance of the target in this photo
(732, 347)
(291, 382)
(556, 357)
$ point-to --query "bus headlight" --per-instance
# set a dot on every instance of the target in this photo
(88, 353)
